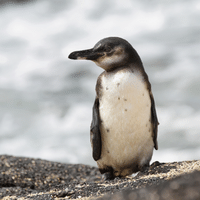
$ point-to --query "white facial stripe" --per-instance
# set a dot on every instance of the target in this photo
(117, 57)
(113, 59)
(107, 60)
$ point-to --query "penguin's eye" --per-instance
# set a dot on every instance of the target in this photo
(107, 49)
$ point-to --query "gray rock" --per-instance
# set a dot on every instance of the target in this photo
(185, 187)
(27, 178)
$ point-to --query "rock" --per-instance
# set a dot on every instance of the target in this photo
(185, 187)
(27, 178)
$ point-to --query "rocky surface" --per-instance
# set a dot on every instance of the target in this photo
(185, 187)
(26, 178)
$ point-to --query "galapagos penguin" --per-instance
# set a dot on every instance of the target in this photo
(123, 131)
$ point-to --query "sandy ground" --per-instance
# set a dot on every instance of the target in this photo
(27, 178)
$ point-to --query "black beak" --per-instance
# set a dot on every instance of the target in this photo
(88, 54)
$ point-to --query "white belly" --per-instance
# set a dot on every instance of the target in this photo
(126, 130)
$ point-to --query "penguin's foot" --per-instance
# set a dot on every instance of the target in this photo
(108, 176)
(155, 164)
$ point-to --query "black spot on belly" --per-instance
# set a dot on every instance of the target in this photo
(118, 98)
(107, 130)
(125, 109)
(108, 151)
(106, 88)
(143, 94)
(125, 99)
(118, 84)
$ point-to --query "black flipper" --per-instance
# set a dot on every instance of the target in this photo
(154, 121)
(95, 134)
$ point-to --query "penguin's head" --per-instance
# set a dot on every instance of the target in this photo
(109, 53)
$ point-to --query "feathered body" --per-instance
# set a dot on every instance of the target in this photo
(124, 125)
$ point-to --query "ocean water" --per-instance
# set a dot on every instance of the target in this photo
(46, 99)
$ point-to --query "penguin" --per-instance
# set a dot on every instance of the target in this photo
(124, 126)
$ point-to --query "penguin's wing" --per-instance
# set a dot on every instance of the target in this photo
(154, 121)
(95, 134)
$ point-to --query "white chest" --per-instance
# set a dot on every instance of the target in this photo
(124, 94)
(125, 114)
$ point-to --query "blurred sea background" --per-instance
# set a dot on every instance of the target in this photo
(46, 99)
